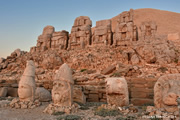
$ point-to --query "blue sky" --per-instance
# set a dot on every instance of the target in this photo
(22, 21)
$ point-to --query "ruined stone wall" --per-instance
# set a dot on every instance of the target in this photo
(125, 31)
(60, 40)
(102, 33)
(140, 89)
(80, 36)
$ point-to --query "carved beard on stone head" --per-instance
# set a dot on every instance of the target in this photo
(61, 93)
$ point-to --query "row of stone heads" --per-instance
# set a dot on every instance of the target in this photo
(166, 89)
(102, 34)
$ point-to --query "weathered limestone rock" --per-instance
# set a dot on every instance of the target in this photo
(13, 92)
(102, 33)
(3, 91)
(109, 70)
(148, 29)
(42, 94)
(156, 50)
(44, 40)
(80, 35)
(62, 92)
(117, 91)
(135, 59)
(125, 31)
(26, 90)
(173, 36)
(78, 95)
(166, 92)
(2, 60)
(51, 61)
(16, 53)
(60, 40)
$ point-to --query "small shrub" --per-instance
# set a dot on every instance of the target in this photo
(120, 118)
(69, 117)
(92, 104)
(106, 112)
(116, 74)
(162, 69)
(58, 113)
(155, 118)
(84, 108)
(82, 70)
(176, 60)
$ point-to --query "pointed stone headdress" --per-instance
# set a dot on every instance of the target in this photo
(64, 74)
(28, 76)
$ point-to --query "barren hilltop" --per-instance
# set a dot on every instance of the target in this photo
(167, 22)
(129, 60)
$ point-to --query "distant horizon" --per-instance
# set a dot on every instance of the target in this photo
(23, 21)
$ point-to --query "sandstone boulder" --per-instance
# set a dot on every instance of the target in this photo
(3, 91)
(108, 70)
(42, 94)
(78, 95)
(2, 60)
(13, 92)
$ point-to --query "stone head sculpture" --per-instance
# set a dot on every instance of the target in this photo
(166, 92)
(27, 86)
(117, 91)
(63, 86)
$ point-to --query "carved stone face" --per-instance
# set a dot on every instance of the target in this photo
(25, 92)
(61, 93)
(166, 92)
(117, 91)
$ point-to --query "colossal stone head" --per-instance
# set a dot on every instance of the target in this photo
(63, 86)
(117, 91)
(27, 86)
(166, 92)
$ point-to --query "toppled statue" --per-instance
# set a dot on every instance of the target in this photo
(62, 92)
(117, 92)
(26, 90)
(166, 92)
